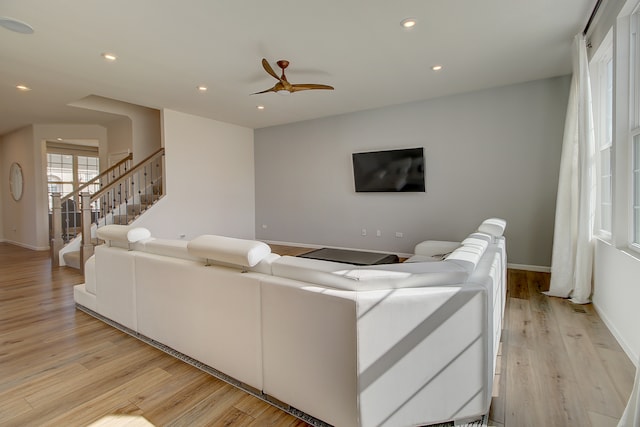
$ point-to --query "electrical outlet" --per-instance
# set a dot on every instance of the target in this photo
(399, 234)
(364, 231)
(378, 233)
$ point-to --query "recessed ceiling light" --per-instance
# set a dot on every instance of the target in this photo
(15, 25)
(202, 88)
(109, 56)
(408, 23)
(23, 88)
(260, 107)
(436, 67)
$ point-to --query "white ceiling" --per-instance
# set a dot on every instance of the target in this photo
(166, 48)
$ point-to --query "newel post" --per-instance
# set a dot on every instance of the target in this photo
(56, 229)
(86, 248)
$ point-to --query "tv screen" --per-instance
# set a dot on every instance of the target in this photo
(389, 171)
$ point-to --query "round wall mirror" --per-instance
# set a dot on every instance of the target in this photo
(16, 181)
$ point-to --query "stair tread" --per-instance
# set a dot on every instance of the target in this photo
(72, 259)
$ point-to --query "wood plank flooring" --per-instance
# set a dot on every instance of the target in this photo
(559, 365)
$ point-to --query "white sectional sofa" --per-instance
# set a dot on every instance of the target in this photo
(405, 344)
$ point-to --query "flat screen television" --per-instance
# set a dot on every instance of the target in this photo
(399, 170)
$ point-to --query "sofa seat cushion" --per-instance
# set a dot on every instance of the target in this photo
(229, 250)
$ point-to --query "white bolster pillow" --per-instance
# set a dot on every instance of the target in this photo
(229, 250)
(493, 226)
(122, 233)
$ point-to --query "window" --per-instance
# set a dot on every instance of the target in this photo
(634, 134)
(60, 173)
(636, 191)
(69, 167)
(602, 90)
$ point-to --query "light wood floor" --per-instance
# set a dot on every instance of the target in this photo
(559, 365)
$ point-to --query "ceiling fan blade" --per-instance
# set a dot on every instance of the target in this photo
(276, 88)
(283, 85)
(299, 87)
(264, 91)
(268, 69)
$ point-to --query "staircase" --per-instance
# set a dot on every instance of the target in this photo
(119, 195)
(134, 210)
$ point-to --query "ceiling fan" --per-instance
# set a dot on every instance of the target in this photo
(283, 86)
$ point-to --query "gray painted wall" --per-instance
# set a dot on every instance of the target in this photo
(489, 153)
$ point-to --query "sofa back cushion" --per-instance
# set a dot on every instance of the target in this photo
(470, 252)
(493, 226)
(228, 250)
(166, 247)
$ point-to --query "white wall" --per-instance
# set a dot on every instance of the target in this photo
(489, 153)
(26, 222)
(4, 183)
(616, 283)
(145, 123)
(616, 295)
(209, 180)
(19, 217)
(120, 134)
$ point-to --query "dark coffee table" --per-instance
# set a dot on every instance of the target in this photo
(351, 257)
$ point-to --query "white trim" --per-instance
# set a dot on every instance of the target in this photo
(633, 251)
(536, 268)
(24, 245)
(616, 334)
(603, 121)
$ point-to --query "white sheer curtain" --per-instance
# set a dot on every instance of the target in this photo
(572, 260)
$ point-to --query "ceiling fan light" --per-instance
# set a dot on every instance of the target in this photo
(15, 25)
(283, 92)
(408, 23)
(109, 56)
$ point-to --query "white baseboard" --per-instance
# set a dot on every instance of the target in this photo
(616, 334)
(537, 268)
(24, 245)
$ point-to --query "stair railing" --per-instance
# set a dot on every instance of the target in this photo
(70, 211)
(123, 193)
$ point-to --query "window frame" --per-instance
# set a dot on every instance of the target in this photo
(602, 84)
(633, 137)
(75, 153)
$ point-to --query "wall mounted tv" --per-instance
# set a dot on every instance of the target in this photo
(389, 171)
